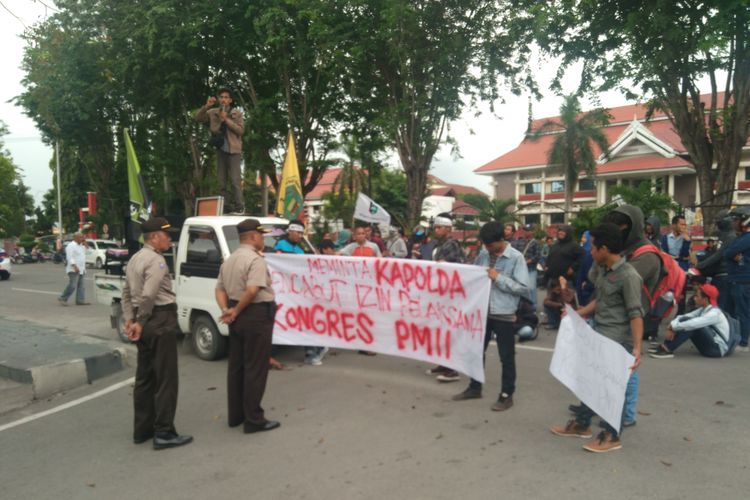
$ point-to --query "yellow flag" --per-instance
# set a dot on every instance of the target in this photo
(290, 199)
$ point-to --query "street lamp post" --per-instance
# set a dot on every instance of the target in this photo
(59, 203)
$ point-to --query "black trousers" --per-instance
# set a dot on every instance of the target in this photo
(249, 352)
(505, 332)
(156, 380)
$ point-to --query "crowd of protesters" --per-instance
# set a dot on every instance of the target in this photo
(613, 275)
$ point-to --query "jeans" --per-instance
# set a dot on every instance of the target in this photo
(506, 343)
(631, 399)
(75, 283)
(532, 285)
(702, 338)
(553, 317)
(229, 167)
(740, 293)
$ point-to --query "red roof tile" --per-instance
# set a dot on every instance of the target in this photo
(644, 162)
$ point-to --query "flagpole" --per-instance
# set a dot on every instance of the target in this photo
(59, 203)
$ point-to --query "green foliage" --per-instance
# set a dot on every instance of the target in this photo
(15, 201)
(648, 197)
(492, 210)
(339, 206)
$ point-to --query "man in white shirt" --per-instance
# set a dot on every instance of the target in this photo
(707, 327)
(75, 254)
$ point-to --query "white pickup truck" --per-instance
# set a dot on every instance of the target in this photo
(203, 245)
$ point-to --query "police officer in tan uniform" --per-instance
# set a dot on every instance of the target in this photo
(150, 313)
(246, 299)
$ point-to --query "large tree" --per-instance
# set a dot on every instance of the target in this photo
(665, 49)
(416, 64)
(572, 149)
(15, 201)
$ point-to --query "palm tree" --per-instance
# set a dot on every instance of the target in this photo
(491, 210)
(350, 177)
(572, 151)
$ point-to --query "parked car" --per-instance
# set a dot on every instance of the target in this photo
(5, 265)
(96, 251)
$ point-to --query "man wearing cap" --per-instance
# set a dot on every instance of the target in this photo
(707, 328)
(290, 244)
(446, 250)
(244, 294)
(150, 313)
(227, 126)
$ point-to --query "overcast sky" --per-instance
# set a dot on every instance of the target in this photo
(480, 139)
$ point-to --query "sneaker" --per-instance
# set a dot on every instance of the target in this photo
(504, 402)
(603, 443)
(438, 370)
(317, 360)
(571, 429)
(468, 394)
(449, 376)
(742, 348)
(62, 302)
(661, 353)
(653, 348)
(654, 343)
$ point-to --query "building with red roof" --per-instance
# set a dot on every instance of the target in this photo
(639, 150)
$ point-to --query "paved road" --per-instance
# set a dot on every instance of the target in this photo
(374, 428)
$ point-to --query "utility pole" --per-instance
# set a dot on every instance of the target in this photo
(59, 187)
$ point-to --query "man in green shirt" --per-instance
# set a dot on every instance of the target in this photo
(618, 315)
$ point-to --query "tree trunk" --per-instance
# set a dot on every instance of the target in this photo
(416, 184)
(568, 201)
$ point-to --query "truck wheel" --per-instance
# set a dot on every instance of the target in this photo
(98, 263)
(118, 322)
(208, 343)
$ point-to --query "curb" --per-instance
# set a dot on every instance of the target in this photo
(47, 380)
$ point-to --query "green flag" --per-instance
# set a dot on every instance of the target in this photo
(140, 203)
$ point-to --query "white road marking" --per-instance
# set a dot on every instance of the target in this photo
(35, 291)
(532, 348)
(67, 405)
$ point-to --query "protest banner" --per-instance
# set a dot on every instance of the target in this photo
(595, 368)
(430, 311)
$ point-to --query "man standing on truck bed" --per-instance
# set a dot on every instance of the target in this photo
(150, 313)
(246, 298)
(227, 126)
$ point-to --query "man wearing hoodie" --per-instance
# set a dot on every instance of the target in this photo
(653, 230)
(564, 257)
(648, 266)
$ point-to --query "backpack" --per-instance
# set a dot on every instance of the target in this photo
(671, 279)
(734, 333)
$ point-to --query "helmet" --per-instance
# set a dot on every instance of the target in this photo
(724, 220)
(741, 213)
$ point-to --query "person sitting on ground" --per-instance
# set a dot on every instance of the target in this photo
(558, 294)
(707, 328)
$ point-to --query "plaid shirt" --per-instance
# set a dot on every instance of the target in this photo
(449, 250)
(534, 251)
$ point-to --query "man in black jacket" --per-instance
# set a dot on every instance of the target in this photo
(564, 257)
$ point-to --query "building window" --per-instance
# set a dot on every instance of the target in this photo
(556, 218)
(533, 188)
(586, 185)
(532, 219)
(557, 187)
(747, 173)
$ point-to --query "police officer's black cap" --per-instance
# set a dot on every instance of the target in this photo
(155, 224)
(250, 225)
